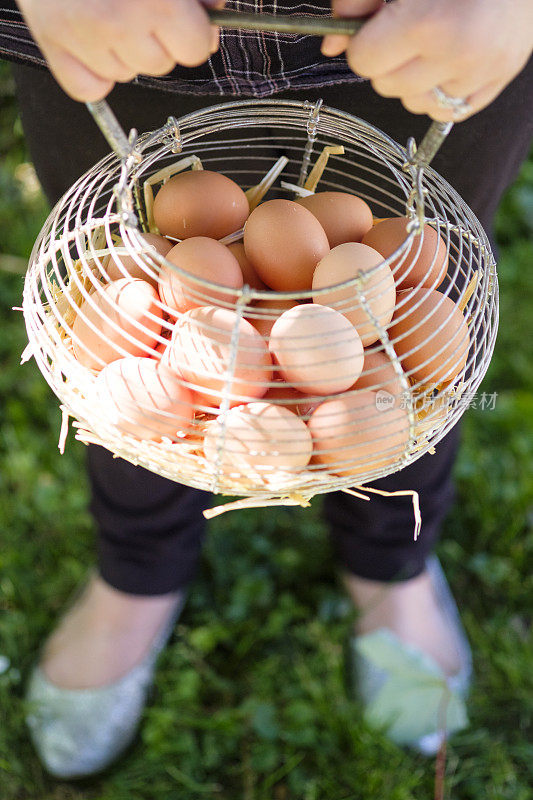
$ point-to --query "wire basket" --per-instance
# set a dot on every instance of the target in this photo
(208, 394)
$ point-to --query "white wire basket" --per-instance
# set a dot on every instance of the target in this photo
(204, 392)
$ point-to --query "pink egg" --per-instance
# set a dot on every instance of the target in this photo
(258, 437)
(123, 266)
(144, 398)
(123, 315)
(317, 349)
(204, 259)
(219, 352)
(345, 262)
(355, 435)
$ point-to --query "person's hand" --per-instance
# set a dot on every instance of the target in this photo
(470, 49)
(91, 44)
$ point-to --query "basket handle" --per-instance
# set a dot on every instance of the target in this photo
(278, 23)
(315, 26)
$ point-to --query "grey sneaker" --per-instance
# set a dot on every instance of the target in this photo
(403, 689)
(78, 732)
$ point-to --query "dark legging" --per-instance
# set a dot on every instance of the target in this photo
(150, 530)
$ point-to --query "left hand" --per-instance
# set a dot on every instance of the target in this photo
(471, 49)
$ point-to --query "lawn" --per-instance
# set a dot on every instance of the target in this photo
(250, 700)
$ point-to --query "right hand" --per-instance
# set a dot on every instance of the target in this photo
(92, 44)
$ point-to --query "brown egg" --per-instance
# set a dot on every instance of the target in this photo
(283, 394)
(259, 437)
(317, 349)
(425, 263)
(430, 335)
(379, 374)
(144, 398)
(284, 242)
(355, 435)
(344, 263)
(201, 350)
(200, 203)
(207, 260)
(344, 217)
(249, 274)
(264, 313)
(118, 266)
(125, 308)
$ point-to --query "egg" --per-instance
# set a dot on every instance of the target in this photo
(201, 350)
(128, 307)
(430, 335)
(344, 217)
(345, 262)
(264, 313)
(118, 266)
(379, 374)
(283, 394)
(204, 259)
(200, 203)
(249, 274)
(424, 264)
(144, 398)
(258, 437)
(284, 242)
(354, 435)
(317, 349)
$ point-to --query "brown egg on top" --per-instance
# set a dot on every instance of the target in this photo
(344, 263)
(203, 259)
(430, 336)
(284, 242)
(200, 203)
(344, 217)
(425, 263)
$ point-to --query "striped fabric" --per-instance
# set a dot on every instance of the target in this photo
(248, 63)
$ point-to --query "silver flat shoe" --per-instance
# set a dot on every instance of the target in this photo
(79, 732)
(405, 691)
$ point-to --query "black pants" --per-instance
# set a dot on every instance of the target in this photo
(150, 530)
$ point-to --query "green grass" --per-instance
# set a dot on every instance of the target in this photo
(250, 700)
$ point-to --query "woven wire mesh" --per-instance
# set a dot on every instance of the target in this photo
(202, 436)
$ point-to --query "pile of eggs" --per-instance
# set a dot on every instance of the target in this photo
(280, 383)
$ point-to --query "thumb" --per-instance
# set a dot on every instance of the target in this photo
(335, 45)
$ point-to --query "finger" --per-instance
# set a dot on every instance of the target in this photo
(334, 45)
(385, 43)
(417, 76)
(427, 103)
(188, 37)
(77, 80)
(355, 8)
(148, 55)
